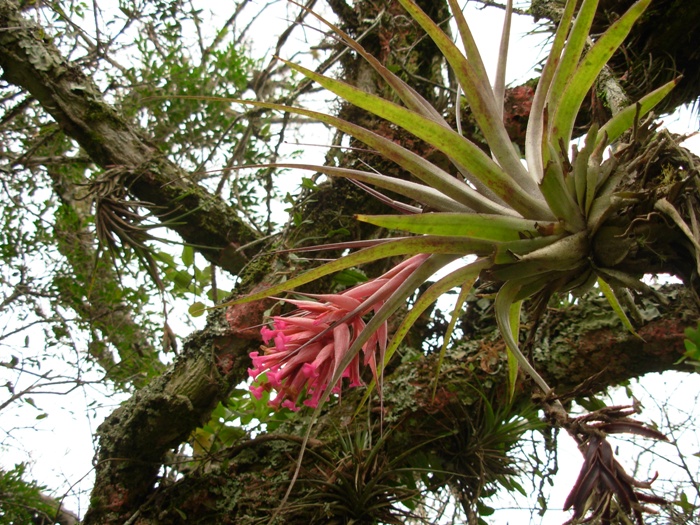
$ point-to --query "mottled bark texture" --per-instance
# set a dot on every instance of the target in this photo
(29, 60)
(579, 349)
(447, 433)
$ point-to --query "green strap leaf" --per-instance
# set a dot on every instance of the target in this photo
(410, 161)
(409, 246)
(507, 296)
(512, 358)
(616, 306)
(561, 198)
(467, 286)
(480, 97)
(591, 65)
(444, 139)
(624, 120)
(452, 280)
(474, 226)
(535, 137)
(571, 54)
(421, 193)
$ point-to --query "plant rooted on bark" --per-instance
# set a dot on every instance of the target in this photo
(534, 229)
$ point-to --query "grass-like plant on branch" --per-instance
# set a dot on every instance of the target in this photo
(534, 227)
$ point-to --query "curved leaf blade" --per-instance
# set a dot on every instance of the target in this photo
(506, 297)
(536, 152)
(443, 285)
(480, 97)
(470, 225)
(591, 65)
(624, 120)
(406, 246)
(467, 286)
(446, 140)
(616, 306)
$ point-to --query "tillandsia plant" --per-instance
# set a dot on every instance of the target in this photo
(532, 227)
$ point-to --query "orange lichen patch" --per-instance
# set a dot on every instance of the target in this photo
(442, 399)
(118, 497)
(225, 363)
(245, 319)
(664, 337)
(516, 110)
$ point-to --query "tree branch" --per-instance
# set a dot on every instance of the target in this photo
(587, 353)
(30, 61)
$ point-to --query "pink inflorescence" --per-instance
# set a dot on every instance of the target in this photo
(303, 350)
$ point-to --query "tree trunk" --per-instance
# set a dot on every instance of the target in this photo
(352, 468)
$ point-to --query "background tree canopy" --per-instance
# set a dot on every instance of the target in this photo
(136, 193)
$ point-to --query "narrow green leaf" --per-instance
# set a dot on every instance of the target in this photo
(571, 55)
(448, 141)
(537, 125)
(406, 246)
(595, 171)
(512, 358)
(469, 44)
(513, 251)
(506, 297)
(405, 92)
(616, 306)
(470, 225)
(562, 253)
(467, 286)
(452, 280)
(481, 100)
(413, 163)
(559, 197)
(580, 174)
(591, 65)
(421, 193)
(499, 88)
(624, 120)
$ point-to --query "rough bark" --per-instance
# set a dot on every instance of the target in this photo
(29, 60)
(247, 481)
(580, 350)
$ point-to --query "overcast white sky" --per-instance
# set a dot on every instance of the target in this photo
(59, 447)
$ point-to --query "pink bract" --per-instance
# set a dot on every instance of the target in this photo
(303, 350)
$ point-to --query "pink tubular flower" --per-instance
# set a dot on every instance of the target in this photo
(303, 350)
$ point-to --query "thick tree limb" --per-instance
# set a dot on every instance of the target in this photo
(135, 439)
(580, 350)
(29, 60)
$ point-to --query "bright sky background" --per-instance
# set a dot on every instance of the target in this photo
(60, 449)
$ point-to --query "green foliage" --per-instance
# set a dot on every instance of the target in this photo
(20, 500)
(692, 345)
(532, 228)
(256, 414)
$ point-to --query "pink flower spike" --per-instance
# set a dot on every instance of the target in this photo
(302, 352)
(342, 301)
(257, 391)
